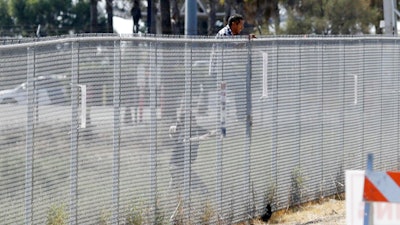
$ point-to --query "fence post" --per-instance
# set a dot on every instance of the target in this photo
(116, 131)
(187, 169)
(368, 209)
(74, 134)
(153, 129)
(248, 127)
(29, 136)
(219, 143)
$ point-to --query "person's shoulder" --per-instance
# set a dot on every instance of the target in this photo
(224, 32)
(220, 32)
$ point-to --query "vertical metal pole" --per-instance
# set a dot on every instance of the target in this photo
(187, 166)
(388, 14)
(153, 129)
(322, 72)
(190, 17)
(364, 63)
(299, 108)
(265, 75)
(83, 105)
(355, 89)
(368, 210)
(74, 134)
(219, 144)
(29, 136)
(394, 16)
(248, 124)
(116, 131)
(274, 133)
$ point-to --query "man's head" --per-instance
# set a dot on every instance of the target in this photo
(236, 23)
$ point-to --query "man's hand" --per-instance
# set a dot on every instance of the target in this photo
(251, 36)
(172, 131)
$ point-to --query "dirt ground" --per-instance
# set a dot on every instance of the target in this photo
(325, 212)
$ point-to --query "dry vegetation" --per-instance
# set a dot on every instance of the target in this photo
(329, 211)
(324, 212)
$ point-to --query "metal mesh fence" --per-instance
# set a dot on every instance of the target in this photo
(122, 129)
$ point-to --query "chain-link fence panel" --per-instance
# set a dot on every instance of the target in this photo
(159, 130)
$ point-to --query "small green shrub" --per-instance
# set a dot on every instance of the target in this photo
(160, 215)
(135, 216)
(178, 216)
(297, 186)
(57, 215)
(270, 194)
(208, 214)
(104, 217)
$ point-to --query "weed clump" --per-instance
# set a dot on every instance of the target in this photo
(57, 215)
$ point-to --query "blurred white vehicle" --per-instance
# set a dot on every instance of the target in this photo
(48, 91)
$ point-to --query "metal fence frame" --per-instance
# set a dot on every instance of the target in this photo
(271, 76)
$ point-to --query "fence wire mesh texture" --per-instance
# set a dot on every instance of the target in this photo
(157, 129)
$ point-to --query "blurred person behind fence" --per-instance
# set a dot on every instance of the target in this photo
(196, 134)
(222, 57)
(136, 15)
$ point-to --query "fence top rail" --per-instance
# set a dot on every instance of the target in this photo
(185, 39)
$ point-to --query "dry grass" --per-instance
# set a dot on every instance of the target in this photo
(329, 211)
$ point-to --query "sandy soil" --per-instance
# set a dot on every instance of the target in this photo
(327, 212)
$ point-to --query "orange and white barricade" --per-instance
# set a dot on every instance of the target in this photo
(382, 187)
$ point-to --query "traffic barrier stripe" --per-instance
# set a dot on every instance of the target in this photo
(371, 193)
(382, 186)
(395, 177)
